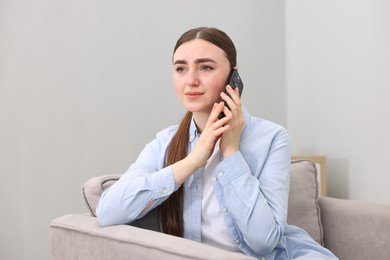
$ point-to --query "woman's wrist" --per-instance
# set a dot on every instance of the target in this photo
(183, 169)
(228, 152)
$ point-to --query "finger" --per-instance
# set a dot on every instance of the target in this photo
(218, 108)
(214, 110)
(215, 131)
(220, 131)
(228, 113)
(228, 99)
(234, 94)
(233, 101)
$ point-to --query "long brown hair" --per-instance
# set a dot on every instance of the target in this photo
(171, 210)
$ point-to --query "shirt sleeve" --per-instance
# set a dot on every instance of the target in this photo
(143, 183)
(255, 200)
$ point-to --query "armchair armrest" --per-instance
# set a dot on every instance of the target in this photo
(354, 229)
(81, 237)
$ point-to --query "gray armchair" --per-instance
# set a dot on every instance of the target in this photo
(350, 229)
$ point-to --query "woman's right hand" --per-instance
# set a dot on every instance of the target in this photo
(212, 132)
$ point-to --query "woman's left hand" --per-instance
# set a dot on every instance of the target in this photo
(230, 141)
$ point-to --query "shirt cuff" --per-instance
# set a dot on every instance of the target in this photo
(231, 168)
(163, 183)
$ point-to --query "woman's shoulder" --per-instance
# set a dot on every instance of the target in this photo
(162, 139)
(259, 123)
(167, 132)
(264, 125)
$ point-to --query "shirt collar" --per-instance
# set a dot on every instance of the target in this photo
(193, 130)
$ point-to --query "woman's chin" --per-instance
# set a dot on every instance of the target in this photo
(197, 107)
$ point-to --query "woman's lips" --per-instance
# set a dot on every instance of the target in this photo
(193, 95)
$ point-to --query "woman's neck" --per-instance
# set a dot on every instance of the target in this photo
(200, 120)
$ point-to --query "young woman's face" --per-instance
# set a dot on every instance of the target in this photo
(200, 72)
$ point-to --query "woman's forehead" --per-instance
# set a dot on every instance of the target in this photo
(198, 49)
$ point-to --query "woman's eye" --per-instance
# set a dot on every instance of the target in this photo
(206, 68)
(179, 69)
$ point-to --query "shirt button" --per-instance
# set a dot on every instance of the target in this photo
(221, 174)
(237, 241)
(165, 191)
(225, 210)
(214, 179)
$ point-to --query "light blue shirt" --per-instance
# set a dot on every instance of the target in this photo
(251, 187)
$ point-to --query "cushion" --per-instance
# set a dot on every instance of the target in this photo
(303, 208)
(93, 188)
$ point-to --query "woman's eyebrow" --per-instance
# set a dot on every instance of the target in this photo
(197, 61)
(202, 60)
(180, 62)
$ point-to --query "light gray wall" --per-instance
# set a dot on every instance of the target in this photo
(85, 84)
(338, 85)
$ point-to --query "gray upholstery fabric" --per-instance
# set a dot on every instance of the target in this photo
(355, 229)
(81, 237)
(303, 209)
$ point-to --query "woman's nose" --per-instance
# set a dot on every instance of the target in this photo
(192, 79)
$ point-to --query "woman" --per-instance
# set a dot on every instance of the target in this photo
(223, 182)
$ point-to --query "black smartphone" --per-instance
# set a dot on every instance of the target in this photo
(234, 80)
